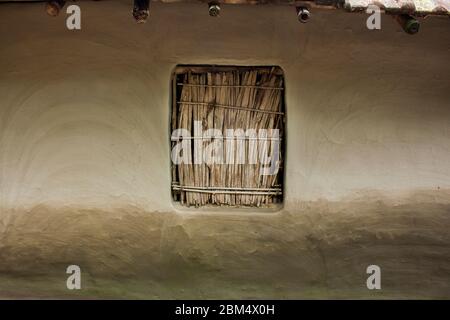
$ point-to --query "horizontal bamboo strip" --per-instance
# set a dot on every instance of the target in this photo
(229, 86)
(262, 193)
(229, 107)
(175, 185)
(215, 69)
(226, 138)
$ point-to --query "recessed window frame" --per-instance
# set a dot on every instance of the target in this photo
(275, 191)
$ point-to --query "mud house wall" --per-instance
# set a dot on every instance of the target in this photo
(84, 123)
(84, 115)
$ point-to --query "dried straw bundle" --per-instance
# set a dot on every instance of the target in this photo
(231, 99)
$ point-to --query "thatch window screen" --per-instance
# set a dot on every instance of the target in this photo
(227, 135)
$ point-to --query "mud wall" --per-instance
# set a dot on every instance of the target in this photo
(84, 131)
(84, 114)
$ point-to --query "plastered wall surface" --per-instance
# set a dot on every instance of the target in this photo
(85, 155)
